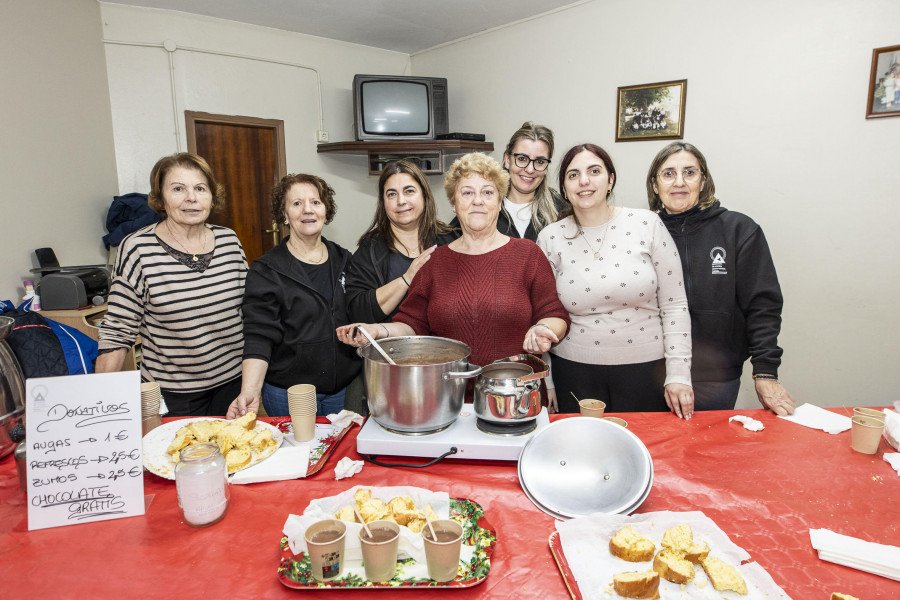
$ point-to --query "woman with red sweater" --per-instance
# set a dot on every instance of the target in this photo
(495, 293)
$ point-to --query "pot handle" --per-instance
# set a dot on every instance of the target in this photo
(462, 374)
(541, 368)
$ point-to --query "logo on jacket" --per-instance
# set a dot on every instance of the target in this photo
(717, 255)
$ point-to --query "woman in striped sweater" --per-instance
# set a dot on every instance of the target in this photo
(179, 285)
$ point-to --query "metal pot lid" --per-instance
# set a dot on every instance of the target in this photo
(582, 465)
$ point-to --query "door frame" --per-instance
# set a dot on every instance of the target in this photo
(191, 118)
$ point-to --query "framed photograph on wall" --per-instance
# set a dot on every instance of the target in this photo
(653, 111)
(884, 83)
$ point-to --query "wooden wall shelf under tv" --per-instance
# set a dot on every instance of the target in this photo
(432, 156)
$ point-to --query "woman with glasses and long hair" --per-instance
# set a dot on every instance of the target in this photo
(618, 274)
(530, 204)
(402, 236)
(732, 288)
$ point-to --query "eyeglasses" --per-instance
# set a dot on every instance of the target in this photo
(689, 175)
(522, 161)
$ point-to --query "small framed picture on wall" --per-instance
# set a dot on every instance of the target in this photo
(884, 83)
(653, 111)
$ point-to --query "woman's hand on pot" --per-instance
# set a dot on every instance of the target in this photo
(418, 263)
(350, 334)
(774, 397)
(680, 398)
(539, 338)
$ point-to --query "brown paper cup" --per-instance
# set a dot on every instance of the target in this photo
(304, 427)
(325, 546)
(150, 422)
(591, 408)
(443, 555)
(617, 421)
(380, 554)
(869, 412)
(865, 434)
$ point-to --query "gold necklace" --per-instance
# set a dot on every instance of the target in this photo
(596, 252)
(186, 251)
(610, 216)
(305, 258)
(409, 252)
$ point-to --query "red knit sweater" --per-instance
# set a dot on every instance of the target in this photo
(486, 301)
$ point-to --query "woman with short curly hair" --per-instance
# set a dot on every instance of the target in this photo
(293, 302)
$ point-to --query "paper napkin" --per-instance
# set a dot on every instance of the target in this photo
(893, 459)
(411, 544)
(870, 557)
(344, 418)
(892, 426)
(810, 415)
(749, 423)
(288, 462)
(347, 467)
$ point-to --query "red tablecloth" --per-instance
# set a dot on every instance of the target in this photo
(765, 490)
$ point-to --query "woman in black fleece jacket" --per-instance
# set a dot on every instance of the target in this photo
(732, 288)
(402, 236)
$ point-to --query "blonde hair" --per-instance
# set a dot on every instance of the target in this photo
(543, 207)
(475, 163)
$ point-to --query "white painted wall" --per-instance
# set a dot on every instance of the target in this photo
(142, 108)
(776, 100)
(57, 166)
(776, 96)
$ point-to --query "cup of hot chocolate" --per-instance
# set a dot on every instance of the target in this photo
(379, 551)
(325, 546)
(442, 554)
(591, 408)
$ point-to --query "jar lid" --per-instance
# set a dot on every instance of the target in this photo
(199, 452)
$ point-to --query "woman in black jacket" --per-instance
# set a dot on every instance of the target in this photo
(402, 236)
(732, 289)
(293, 302)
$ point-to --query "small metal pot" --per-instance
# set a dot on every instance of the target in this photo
(510, 389)
(424, 391)
(12, 389)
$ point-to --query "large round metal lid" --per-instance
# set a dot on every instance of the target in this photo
(582, 465)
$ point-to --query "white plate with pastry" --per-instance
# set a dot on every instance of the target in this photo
(249, 439)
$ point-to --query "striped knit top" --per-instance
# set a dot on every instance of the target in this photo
(189, 322)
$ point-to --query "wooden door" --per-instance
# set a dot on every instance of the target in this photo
(247, 156)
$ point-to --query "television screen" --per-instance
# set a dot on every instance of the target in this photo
(395, 107)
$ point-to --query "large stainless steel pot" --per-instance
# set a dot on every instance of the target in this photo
(12, 389)
(424, 391)
(510, 389)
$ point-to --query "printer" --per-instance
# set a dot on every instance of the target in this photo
(69, 288)
(73, 287)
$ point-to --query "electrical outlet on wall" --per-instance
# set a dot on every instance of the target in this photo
(322, 135)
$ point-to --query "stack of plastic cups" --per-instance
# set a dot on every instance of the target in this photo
(302, 407)
(151, 397)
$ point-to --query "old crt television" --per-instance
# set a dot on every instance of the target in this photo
(395, 107)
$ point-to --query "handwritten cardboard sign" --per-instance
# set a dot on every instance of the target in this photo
(84, 448)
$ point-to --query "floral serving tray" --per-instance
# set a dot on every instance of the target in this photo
(478, 535)
(563, 565)
(327, 439)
